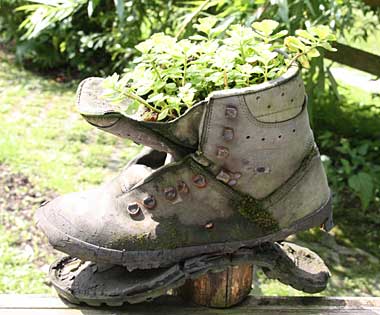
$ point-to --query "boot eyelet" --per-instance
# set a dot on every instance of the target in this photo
(222, 152)
(170, 193)
(223, 176)
(199, 181)
(228, 134)
(232, 182)
(149, 202)
(133, 208)
(231, 112)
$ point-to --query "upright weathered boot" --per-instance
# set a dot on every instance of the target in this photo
(256, 177)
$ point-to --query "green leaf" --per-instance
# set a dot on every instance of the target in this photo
(132, 108)
(363, 149)
(304, 61)
(346, 166)
(265, 27)
(92, 4)
(322, 31)
(305, 34)
(206, 24)
(279, 35)
(328, 47)
(283, 10)
(163, 114)
(198, 37)
(362, 184)
(119, 5)
(294, 44)
(156, 98)
(266, 56)
(313, 53)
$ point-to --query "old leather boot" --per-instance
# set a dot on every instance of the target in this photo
(256, 177)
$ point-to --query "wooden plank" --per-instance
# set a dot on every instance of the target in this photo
(168, 305)
(372, 3)
(219, 289)
(355, 58)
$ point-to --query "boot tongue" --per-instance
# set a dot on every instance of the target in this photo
(150, 158)
(142, 166)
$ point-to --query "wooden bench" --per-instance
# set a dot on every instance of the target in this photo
(167, 305)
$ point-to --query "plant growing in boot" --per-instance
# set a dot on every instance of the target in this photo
(237, 168)
(172, 75)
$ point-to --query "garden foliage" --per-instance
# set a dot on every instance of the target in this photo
(171, 75)
(99, 36)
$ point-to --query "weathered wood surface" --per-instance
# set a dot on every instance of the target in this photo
(372, 3)
(170, 305)
(355, 58)
(220, 289)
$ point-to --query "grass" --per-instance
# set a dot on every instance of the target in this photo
(17, 273)
(43, 137)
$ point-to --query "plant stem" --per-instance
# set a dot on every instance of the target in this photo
(265, 72)
(190, 17)
(184, 71)
(156, 70)
(225, 78)
(242, 52)
(299, 55)
(140, 100)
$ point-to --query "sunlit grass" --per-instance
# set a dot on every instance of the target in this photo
(43, 136)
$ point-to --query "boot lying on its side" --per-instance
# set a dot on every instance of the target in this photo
(255, 177)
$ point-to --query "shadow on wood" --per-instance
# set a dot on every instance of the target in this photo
(171, 305)
(355, 58)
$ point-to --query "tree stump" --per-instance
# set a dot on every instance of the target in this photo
(219, 289)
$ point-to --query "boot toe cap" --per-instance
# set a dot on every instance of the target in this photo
(67, 221)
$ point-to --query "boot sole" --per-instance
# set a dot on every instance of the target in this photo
(86, 282)
(167, 257)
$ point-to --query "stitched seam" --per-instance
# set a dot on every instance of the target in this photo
(279, 111)
(207, 124)
(256, 122)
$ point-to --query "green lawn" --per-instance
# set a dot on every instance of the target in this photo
(43, 138)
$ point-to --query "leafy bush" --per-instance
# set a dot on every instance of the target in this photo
(98, 36)
(353, 168)
(89, 36)
(344, 116)
(171, 76)
(10, 20)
